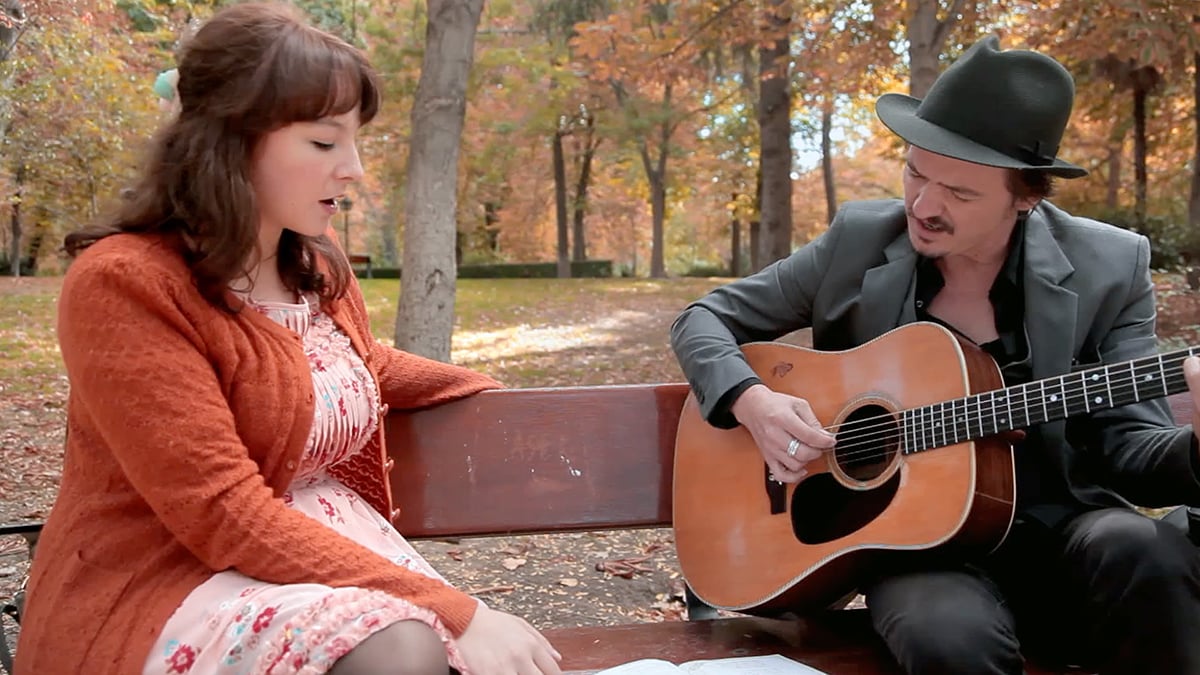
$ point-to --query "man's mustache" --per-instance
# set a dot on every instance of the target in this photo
(935, 223)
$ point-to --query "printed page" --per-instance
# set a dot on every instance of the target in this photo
(642, 667)
(773, 664)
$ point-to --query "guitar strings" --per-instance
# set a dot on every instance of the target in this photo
(892, 429)
(886, 428)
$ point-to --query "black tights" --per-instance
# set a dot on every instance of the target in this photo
(403, 648)
(1111, 590)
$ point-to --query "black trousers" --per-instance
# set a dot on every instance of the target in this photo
(1110, 590)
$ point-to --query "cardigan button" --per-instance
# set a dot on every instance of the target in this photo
(384, 408)
(389, 464)
(395, 514)
(291, 465)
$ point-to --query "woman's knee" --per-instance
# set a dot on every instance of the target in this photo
(403, 648)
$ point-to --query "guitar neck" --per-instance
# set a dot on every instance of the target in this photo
(1055, 398)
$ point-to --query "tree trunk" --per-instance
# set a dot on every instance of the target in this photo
(491, 216)
(425, 318)
(658, 211)
(560, 207)
(735, 248)
(633, 248)
(388, 235)
(1194, 199)
(755, 225)
(926, 40)
(827, 159)
(656, 175)
(34, 250)
(755, 247)
(14, 244)
(1113, 193)
(12, 26)
(1139, 157)
(14, 252)
(1193, 247)
(579, 239)
(775, 125)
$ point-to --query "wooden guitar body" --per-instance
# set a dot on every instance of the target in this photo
(750, 544)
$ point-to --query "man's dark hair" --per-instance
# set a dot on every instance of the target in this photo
(1030, 183)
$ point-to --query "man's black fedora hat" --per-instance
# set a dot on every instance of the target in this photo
(998, 108)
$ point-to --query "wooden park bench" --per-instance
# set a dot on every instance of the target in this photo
(525, 461)
(592, 458)
(362, 259)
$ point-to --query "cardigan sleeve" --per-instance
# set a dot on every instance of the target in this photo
(141, 377)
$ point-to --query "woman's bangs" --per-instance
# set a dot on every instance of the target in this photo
(323, 81)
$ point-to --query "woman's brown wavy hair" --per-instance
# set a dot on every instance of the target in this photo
(249, 70)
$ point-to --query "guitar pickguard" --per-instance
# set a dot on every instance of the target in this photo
(823, 509)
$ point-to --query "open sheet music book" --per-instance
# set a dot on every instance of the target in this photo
(773, 664)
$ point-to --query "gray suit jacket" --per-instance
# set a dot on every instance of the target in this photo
(1089, 299)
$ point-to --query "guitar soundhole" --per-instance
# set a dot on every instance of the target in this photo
(867, 440)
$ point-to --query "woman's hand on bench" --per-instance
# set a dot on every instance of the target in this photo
(497, 643)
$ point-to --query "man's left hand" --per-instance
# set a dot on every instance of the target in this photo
(1191, 371)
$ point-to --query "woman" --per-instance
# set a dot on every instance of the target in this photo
(223, 499)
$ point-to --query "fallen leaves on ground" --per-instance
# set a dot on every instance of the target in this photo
(624, 567)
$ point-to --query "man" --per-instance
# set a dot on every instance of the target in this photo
(974, 246)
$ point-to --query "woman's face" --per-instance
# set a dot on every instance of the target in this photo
(300, 172)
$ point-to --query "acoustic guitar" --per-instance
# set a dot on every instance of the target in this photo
(918, 467)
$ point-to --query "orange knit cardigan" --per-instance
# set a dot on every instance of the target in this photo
(184, 427)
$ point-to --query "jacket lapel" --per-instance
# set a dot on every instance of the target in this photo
(888, 290)
(1050, 309)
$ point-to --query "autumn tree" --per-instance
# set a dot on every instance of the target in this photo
(928, 28)
(69, 149)
(1133, 45)
(654, 106)
(649, 56)
(849, 62)
(393, 33)
(575, 122)
(12, 25)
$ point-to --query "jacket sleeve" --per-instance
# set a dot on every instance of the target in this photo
(707, 335)
(140, 372)
(1149, 460)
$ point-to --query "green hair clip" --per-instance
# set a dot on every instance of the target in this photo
(164, 84)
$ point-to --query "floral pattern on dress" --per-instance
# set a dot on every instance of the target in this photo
(235, 625)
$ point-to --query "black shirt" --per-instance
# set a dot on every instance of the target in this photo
(1041, 492)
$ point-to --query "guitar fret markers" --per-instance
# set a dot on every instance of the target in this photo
(1100, 388)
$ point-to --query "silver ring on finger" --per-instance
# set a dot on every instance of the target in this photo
(793, 447)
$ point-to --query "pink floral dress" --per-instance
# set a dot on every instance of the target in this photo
(233, 624)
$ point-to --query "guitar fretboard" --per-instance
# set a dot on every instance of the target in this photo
(1024, 405)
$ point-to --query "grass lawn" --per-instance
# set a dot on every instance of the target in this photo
(527, 332)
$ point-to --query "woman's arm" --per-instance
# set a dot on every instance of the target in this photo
(141, 373)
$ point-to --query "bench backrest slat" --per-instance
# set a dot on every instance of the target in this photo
(526, 454)
(545, 460)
